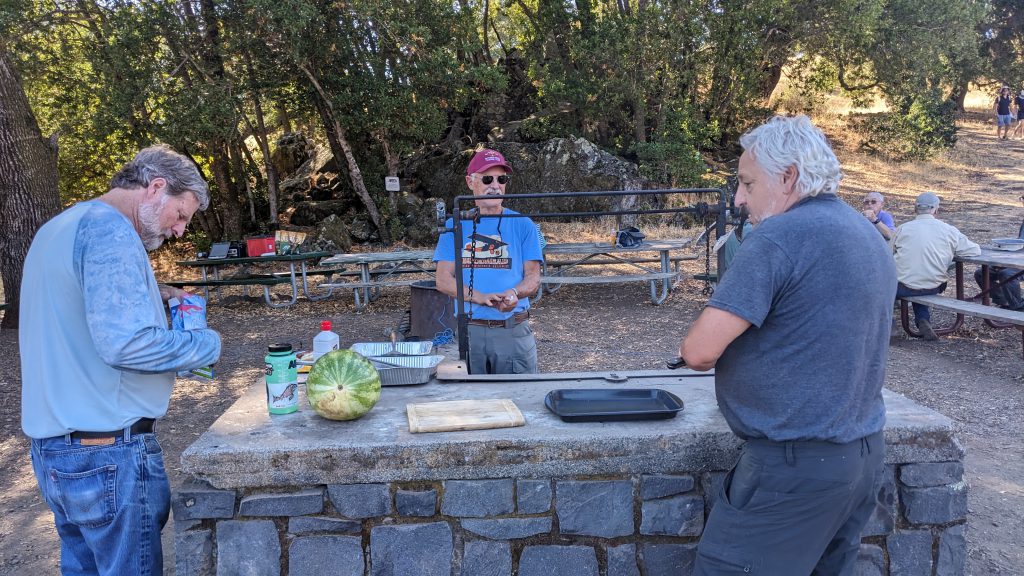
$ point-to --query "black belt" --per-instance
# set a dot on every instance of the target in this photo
(141, 426)
(506, 323)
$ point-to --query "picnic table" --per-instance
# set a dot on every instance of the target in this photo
(560, 271)
(298, 267)
(380, 269)
(562, 262)
(964, 306)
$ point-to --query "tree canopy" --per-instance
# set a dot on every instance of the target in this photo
(665, 83)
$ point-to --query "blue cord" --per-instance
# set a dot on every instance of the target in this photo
(446, 335)
(442, 338)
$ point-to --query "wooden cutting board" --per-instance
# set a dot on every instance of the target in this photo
(463, 415)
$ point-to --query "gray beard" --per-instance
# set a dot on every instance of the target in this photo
(149, 220)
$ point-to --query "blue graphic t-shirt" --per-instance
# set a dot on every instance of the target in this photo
(493, 256)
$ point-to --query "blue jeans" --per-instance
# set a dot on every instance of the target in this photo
(921, 311)
(109, 503)
(1008, 294)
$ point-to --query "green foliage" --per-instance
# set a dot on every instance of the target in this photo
(674, 154)
(811, 81)
(541, 128)
(198, 239)
(664, 83)
(918, 129)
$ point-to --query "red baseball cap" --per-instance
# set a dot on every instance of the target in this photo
(485, 159)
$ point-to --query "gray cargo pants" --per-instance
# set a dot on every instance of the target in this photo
(793, 508)
(500, 350)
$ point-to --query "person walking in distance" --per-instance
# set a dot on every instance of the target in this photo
(1004, 114)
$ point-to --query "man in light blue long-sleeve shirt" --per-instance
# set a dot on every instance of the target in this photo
(98, 362)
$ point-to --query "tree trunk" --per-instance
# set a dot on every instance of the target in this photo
(28, 183)
(340, 146)
(284, 122)
(392, 162)
(260, 134)
(228, 204)
(772, 76)
(959, 96)
(241, 174)
(640, 118)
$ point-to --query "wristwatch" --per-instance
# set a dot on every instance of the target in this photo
(876, 221)
(516, 292)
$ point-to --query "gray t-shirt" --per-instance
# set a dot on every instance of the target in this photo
(817, 283)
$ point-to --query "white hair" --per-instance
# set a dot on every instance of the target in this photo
(793, 141)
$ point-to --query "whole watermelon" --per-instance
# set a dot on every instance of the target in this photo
(342, 385)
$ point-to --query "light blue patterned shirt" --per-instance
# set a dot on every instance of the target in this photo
(97, 353)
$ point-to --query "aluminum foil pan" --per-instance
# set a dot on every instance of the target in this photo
(369, 349)
(1008, 244)
(405, 370)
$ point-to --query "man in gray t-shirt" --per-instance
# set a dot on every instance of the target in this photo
(798, 333)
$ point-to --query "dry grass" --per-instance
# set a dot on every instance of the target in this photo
(980, 100)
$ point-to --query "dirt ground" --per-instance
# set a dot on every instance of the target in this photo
(974, 377)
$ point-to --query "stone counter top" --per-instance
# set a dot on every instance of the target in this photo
(247, 447)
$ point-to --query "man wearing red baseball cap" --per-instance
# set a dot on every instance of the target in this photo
(500, 269)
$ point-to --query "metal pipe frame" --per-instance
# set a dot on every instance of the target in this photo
(719, 210)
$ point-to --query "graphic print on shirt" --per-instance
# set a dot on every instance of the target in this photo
(490, 251)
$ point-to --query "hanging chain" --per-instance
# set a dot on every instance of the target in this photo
(707, 258)
(472, 267)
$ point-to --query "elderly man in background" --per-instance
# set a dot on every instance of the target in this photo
(98, 362)
(798, 334)
(880, 219)
(924, 249)
(500, 270)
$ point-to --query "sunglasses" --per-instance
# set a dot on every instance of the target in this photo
(502, 179)
(871, 201)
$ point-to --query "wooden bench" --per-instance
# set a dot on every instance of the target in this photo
(358, 287)
(969, 308)
(253, 279)
(264, 280)
(559, 280)
(551, 283)
(963, 308)
(606, 261)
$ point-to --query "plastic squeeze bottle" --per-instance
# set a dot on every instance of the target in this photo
(325, 341)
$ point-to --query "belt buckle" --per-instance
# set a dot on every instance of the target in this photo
(510, 322)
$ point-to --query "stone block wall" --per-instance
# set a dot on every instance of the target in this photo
(609, 526)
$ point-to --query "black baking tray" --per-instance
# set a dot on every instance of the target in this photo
(604, 405)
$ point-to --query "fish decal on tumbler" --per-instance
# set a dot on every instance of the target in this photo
(289, 392)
